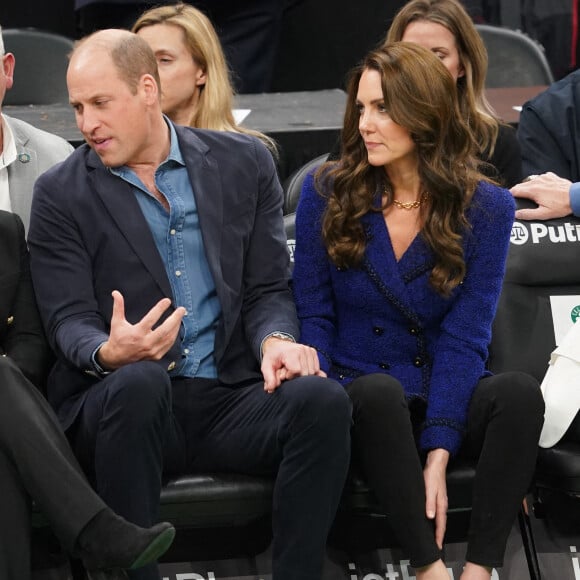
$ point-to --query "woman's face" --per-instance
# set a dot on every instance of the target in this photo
(181, 77)
(387, 143)
(439, 40)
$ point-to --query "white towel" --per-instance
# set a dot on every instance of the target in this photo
(561, 388)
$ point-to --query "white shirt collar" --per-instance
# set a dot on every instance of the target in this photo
(9, 152)
(7, 156)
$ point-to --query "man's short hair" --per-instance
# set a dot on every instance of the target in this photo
(131, 54)
(133, 58)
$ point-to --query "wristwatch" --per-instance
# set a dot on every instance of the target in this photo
(281, 336)
(276, 334)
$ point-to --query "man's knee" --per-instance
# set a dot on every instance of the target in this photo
(322, 399)
(142, 389)
(13, 383)
(7, 366)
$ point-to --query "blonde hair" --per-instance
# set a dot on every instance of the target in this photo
(214, 108)
(477, 111)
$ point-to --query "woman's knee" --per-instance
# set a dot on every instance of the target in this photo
(518, 390)
(376, 389)
(514, 395)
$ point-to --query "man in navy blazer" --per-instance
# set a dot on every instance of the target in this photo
(158, 257)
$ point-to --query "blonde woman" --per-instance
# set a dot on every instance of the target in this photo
(445, 28)
(195, 84)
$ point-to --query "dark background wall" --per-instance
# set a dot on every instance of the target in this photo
(323, 39)
(50, 15)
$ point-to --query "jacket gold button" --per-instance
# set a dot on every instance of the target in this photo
(10, 320)
(171, 366)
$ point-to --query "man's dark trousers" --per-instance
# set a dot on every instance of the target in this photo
(137, 424)
(35, 462)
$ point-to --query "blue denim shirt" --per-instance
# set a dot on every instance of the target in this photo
(575, 199)
(178, 238)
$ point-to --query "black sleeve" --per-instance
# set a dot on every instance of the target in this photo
(506, 161)
(24, 341)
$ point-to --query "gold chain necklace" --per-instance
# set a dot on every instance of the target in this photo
(408, 205)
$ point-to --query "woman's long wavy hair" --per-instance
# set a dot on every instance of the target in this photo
(420, 95)
(481, 117)
(214, 108)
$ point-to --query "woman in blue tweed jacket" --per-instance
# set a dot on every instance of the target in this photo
(400, 255)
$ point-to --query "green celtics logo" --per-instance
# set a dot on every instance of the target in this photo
(575, 313)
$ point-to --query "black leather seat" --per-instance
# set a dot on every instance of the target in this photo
(542, 262)
(214, 503)
(212, 499)
(292, 185)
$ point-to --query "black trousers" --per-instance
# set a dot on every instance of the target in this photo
(137, 425)
(504, 423)
(35, 462)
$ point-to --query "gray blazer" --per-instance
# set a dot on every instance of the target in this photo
(37, 151)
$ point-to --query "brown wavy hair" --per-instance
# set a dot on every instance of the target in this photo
(482, 119)
(420, 95)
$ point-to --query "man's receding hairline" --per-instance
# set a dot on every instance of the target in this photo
(106, 40)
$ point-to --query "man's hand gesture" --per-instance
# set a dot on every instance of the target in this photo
(130, 343)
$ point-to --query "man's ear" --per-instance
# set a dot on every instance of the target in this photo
(148, 85)
(8, 61)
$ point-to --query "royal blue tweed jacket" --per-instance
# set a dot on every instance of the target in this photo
(384, 317)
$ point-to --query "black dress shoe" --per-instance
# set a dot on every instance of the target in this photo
(109, 543)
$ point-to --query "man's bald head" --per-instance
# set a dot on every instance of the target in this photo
(130, 54)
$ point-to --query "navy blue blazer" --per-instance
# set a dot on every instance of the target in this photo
(385, 317)
(89, 237)
(549, 130)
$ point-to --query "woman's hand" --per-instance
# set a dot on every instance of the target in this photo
(436, 491)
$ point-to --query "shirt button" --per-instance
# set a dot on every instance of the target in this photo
(186, 350)
(171, 366)
(414, 330)
(178, 272)
(172, 232)
(418, 362)
(385, 366)
(378, 330)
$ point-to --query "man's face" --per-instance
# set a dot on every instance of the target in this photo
(113, 120)
(6, 74)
